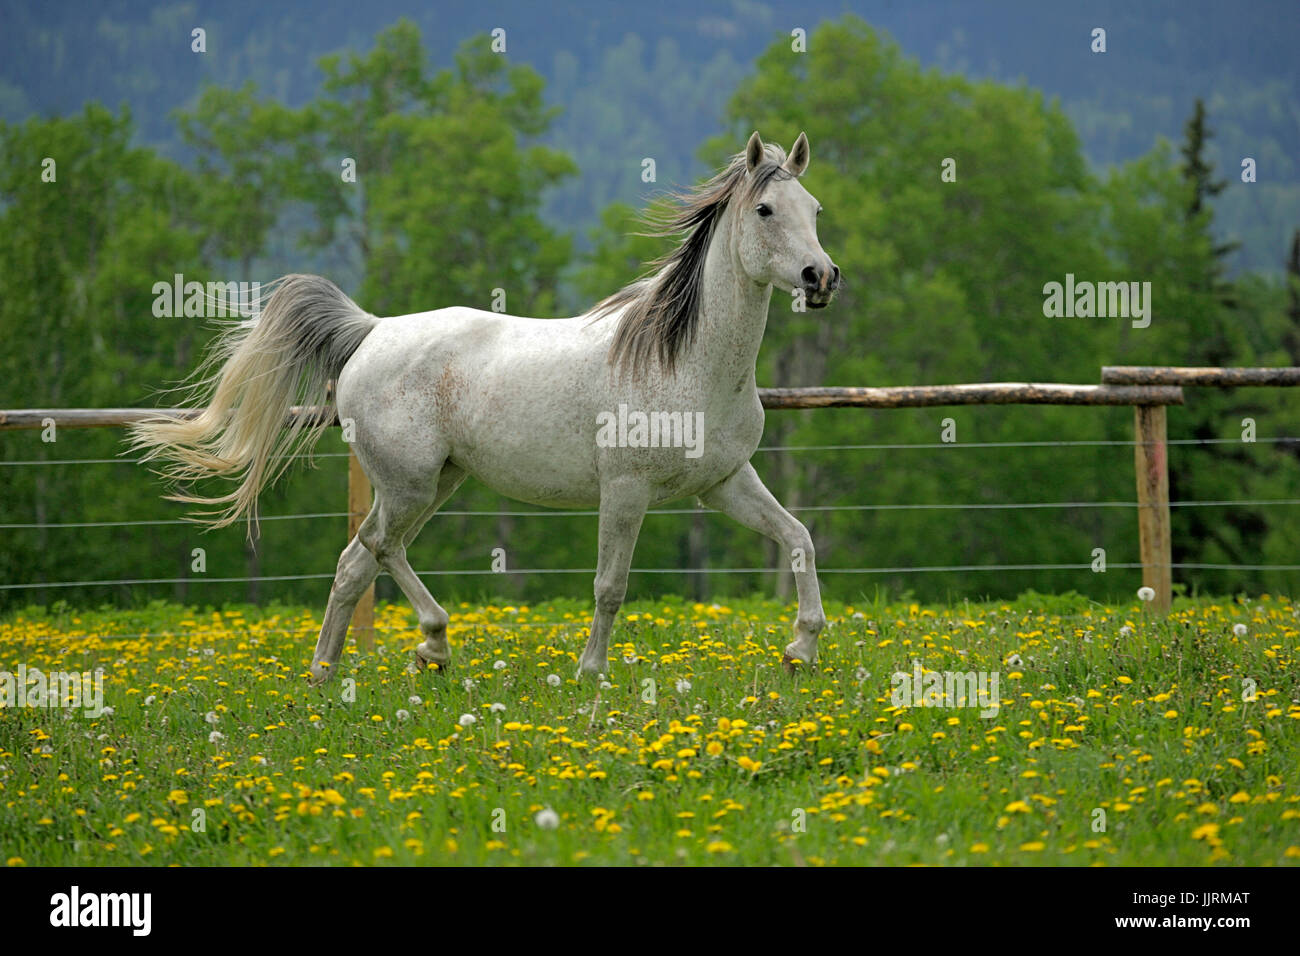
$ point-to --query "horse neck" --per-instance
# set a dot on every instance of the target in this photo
(733, 315)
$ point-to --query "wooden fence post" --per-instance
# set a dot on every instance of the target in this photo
(359, 501)
(1150, 455)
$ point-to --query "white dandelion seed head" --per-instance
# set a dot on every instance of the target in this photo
(496, 708)
(547, 819)
(1146, 594)
(1014, 660)
(499, 665)
(211, 717)
(683, 686)
(148, 701)
(468, 684)
(1126, 631)
(216, 737)
(1239, 630)
(414, 700)
(467, 720)
(403, 715)
(553, 680)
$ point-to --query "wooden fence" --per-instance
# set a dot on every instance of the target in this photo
(1149, 390)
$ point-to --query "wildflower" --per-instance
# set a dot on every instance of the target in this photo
(1146, 594)
(683, 686)
(553, 680)
(211, 717)
(499, 665)
(1206, 831)
(1126, 631)
(547, 819)
(467, 720)
(403, 715)
(414, 700)
(216, 737)
(1239, 630)
(496, 708)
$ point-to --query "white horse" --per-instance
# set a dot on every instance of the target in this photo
(529, 406)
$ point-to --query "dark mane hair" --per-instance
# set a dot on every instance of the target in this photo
(663, 307)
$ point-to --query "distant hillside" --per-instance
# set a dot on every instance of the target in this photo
(650, 79)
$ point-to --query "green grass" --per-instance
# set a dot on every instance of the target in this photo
(1149, 731)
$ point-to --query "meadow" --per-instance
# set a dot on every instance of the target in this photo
(1121, 738)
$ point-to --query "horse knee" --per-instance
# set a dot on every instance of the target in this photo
(609, 596)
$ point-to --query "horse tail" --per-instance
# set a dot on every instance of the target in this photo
(253, 375)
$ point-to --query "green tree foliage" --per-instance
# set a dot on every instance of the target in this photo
(82, 248)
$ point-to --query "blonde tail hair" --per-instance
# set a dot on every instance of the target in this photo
(253, 375)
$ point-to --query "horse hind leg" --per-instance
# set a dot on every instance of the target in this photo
(357, 570)
(387, 531)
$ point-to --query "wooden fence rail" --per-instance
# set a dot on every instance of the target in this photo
(1148, 389)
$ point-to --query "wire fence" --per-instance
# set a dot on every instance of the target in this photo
(797, 509)
(1147, 390)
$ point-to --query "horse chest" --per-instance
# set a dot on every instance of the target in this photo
(684, 454)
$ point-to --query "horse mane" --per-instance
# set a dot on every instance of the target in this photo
(662, 308)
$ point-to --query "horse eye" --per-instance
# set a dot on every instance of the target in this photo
(764, 209)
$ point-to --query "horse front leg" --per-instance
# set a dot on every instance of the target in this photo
(623, 505)
(745, 498)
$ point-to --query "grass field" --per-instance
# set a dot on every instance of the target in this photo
(1121, 739)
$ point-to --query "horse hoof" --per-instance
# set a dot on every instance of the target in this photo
(420, 664)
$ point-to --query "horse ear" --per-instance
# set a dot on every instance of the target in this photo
(800, 153)
(754, 151)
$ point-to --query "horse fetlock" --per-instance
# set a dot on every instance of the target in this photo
(320, 673)
(588, 670)
(809, 626)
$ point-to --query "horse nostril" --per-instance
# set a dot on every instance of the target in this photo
(809, 276)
